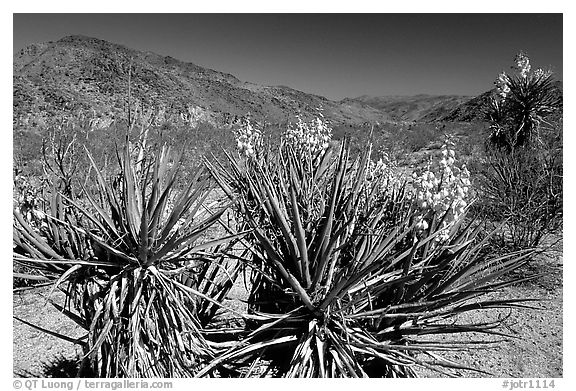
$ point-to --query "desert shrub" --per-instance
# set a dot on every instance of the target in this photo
(204, 139)
(27, 147)
(524, 189)
(62, 158)
(57, 149)
(344, 280)
(417, 137)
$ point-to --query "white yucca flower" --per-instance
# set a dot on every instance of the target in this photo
(311, 137)
(522, 64)
(443, 192)
(540, 73)
(248, 139)
(502, 85)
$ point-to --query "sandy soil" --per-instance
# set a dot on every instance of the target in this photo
(536, 347)
(37, 353)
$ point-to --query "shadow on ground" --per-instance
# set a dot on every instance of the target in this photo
(58, 367)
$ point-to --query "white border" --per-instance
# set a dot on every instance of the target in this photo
(419, 6)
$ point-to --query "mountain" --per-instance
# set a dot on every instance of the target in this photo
(89, 75)
(79, 73)
(414, 108)
(470, 110)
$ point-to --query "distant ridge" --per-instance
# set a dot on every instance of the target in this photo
(79, 73)
(415, 108)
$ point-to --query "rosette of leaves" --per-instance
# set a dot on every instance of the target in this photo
(135, 268)
(343, 285)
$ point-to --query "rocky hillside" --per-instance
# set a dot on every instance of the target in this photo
(82, 73)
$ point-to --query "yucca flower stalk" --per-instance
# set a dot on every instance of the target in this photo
(343, 285)
(309, 137)
(248, 138)
(442, 188)
(133, 266)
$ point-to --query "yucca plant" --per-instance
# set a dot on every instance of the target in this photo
(343, 282)
(522, 104)
(133, 268)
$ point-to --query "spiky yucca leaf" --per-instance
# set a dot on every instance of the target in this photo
(53, 242)
(343, 283)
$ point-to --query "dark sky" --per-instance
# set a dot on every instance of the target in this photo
(334, 55)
